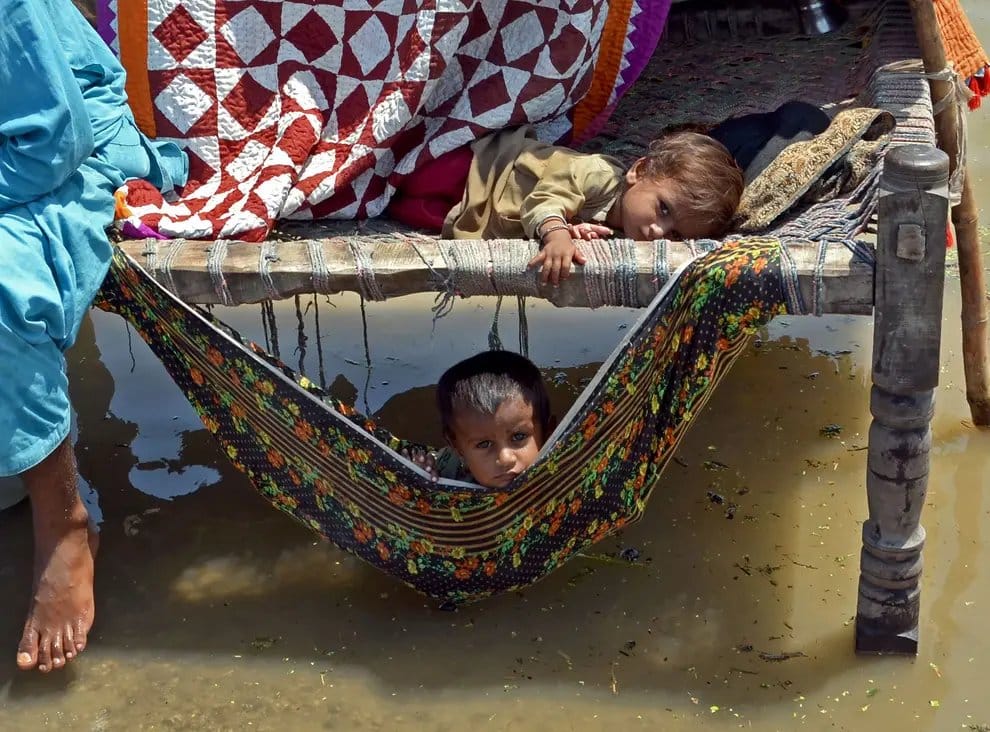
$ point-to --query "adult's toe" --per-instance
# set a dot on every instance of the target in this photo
(27, 649)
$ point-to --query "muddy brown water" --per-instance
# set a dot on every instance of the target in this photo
(216, 612)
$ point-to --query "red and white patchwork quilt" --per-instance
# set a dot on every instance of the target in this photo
(305, 110)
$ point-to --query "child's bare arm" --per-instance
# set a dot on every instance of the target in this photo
(557, 253)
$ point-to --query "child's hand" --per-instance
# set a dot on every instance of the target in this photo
(426, 460)
(588, 231)
(556, 256)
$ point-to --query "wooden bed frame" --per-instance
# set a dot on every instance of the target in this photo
(903, 292)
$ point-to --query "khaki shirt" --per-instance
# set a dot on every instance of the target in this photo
(516, 182)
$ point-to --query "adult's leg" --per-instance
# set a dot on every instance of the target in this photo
(34, 429)
(61, 611)
(53, 256)
(12, 492)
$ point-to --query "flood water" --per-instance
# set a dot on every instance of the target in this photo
(216, 612)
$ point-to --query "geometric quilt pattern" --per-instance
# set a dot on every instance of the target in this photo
(316, 109)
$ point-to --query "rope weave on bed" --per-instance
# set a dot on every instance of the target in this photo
(343, 477)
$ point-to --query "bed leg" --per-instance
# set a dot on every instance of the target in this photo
(909, 279)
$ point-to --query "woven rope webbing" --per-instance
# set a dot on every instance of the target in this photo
(339, 474)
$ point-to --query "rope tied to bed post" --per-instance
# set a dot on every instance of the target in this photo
(495, 338)
(492, 267)
(510, 274)
(365, 267)
(955, 100)
(215, 256)
(523, 326)
(171, 254)
(150, 254)
(661, 267)
(443, 303)
(318, 265)
(266, 256)
(610, 272)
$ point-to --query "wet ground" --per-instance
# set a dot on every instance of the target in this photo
(216, 612)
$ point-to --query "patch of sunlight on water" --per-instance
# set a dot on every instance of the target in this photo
(216, 612)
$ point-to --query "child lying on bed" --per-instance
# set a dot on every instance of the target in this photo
(509, 185)
(495, 415)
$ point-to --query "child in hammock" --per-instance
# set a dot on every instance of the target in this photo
(510, 185)
(495, 414)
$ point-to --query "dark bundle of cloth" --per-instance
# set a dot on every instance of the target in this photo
(798, 155)
(755, 140)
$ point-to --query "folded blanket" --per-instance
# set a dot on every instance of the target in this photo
(317, 109)
(826, 166)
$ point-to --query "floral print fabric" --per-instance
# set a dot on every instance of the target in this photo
(341, 475)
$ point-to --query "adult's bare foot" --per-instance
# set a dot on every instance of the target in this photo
(62, 609)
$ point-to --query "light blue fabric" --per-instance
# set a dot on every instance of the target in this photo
(67, 142)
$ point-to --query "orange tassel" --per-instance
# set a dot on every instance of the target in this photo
(950, 237)
(977, 99)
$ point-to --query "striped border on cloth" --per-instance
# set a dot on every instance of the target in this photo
(631, 34)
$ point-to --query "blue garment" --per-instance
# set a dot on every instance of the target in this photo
(67, 142)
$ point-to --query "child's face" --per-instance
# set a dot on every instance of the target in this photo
(496, 448)
(657, 209)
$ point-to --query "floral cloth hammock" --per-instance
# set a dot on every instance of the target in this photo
(344, 477)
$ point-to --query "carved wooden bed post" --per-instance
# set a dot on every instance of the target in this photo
(910, 272)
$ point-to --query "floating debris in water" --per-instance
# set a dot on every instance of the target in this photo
(263, 642)
(714, 465)
(715, 498)
(132, 522)
(584, 572)
(785, 656)
(630, 554)
(830, 430)
(560, 377)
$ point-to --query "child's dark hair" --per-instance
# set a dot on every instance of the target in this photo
(705, 170)
(482, 382)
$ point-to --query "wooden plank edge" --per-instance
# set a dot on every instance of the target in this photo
(846, 285)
